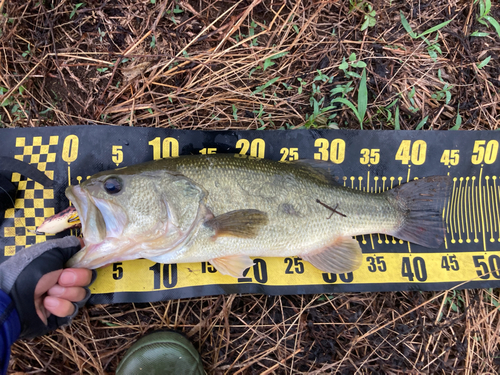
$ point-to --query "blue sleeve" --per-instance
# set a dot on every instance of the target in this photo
(10, 328)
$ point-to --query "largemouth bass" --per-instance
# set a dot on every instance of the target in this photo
(225, 209)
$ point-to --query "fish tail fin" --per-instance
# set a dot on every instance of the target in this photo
(422, 202)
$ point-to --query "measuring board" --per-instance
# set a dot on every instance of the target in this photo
(372, 161)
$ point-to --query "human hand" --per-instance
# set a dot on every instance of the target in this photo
(55, 292)
(45, 296)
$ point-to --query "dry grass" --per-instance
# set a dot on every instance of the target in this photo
(364, 333)
(192, 65)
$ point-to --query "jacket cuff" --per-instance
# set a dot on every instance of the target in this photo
(10, 329)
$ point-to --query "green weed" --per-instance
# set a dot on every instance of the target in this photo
(445, 92)
(432, 47)
(264, 86)
(344, 66)
(302, 84)
(75, 8)
(368, 11)
(269, 61)
(10, 99)
(339, 94)
(258, 115)
(251, 32)
(422, 123)
(457, 296)
(458, 121)
(413, 107)
(235, 113)
(456, 302)
(484, 17)
(362, 100)
(396, 120)
(483, 63)
(387, 116)
(27, 52)
(101, 34)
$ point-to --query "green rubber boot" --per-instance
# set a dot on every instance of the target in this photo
(163, 352)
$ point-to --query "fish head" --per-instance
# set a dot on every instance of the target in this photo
(134, 215)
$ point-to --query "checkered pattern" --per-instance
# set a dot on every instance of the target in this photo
(33, 203)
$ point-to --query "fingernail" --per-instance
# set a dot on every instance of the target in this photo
(67, 277)
(51, 302)
(57, 290)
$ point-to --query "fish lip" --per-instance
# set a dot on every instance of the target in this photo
(82, 201)
(77, 197)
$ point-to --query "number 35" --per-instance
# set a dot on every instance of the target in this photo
(370, 156)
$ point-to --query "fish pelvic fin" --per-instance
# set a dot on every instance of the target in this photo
(422, 202)
(342, 256)
(239, 223)
(232, 265)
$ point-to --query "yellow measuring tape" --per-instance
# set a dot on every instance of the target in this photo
(370, 161)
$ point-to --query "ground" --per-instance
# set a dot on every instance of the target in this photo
(260, 64)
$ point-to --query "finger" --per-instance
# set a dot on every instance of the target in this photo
(75, 277)
(73, 293)
(59, 307)
(46, 282)
(41, 311)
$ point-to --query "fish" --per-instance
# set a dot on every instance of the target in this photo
(226, 208)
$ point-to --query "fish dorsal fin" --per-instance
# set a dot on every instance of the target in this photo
(322, 170)
(239, 223)
(342, 256)
(232, 265)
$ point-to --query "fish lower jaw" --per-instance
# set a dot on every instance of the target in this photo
(98, 255)
(76, 260)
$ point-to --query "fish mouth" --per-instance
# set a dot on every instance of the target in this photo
(101, 221)
(93, 223)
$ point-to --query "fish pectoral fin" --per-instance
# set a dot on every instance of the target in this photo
(342, 256)
(239, 223)
(232, 265)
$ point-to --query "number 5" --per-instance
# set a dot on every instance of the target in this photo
(117, 154)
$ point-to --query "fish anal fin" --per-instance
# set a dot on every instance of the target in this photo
(239, 223)
(342, 256)
(232, 265)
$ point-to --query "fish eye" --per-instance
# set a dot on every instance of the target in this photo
(113, 185)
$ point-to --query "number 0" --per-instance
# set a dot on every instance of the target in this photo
(70, 148)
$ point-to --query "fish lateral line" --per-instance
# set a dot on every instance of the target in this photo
(333, 209)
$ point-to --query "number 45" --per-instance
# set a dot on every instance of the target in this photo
(450, 157)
